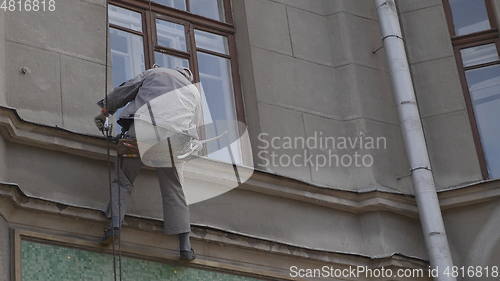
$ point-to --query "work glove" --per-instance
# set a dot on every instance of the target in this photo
(100, 120)
(103, 123)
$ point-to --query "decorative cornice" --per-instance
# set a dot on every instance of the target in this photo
(17, 130)
(470, 194)
(14, 129)
(13, 200)
(349, 201)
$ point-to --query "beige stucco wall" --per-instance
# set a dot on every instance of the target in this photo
(2, 59)
(64, 52)
(3, 100)
(308, 67)
(473, 235)
(442, 106)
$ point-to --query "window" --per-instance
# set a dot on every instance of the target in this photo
(213, 9)
(476, 44)
(126, 38)
(198, 34)
(469, 16)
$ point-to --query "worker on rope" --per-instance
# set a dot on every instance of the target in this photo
(181, 115)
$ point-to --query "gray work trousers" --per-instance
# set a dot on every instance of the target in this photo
(175, 209)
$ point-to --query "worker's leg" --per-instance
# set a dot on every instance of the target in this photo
(175, 209)
(126, 170)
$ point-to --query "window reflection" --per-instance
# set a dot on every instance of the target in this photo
(169, 61)
(469, 16)
(484, 88)
(215, 75)
(125, 18)
(127, 55)
(211, 41)
(479, 54)
(177, 4)
(171, 35)
(213, 9)
(216, 79)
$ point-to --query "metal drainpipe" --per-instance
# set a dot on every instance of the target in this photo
(413, 135)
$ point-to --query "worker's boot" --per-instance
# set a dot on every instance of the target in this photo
(185, 250)
(188, 255)
(110, 234)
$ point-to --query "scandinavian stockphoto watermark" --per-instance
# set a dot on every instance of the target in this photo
(355, 272)
(319, 150)
(478, 272)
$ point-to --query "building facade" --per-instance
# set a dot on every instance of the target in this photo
(309, 78)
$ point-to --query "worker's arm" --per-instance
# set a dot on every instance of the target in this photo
(118, 98)
(121, 95)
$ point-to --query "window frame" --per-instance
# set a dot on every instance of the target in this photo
(150, 11)
(451, 27)
(460, 42)
(143, 34)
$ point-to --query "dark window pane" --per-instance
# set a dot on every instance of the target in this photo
(484, 88)
(171, 35)
(127, 55)
(125, 18)
(211, 41)
(177, 4)
(479, 54)
(213, 9)
(169, 61)
(469, 16)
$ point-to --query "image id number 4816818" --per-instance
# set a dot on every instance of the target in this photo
(28, 5)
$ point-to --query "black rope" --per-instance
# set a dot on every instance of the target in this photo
(118, 167)
(111, 205)
(108, 146)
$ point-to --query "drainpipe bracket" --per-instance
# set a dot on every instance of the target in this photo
(413, 170)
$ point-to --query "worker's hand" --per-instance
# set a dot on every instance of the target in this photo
(99, 121)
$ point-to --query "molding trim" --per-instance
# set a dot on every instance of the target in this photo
(473, 193)
(142, 237)
(16, 130)
(144, 253)
(349, 201)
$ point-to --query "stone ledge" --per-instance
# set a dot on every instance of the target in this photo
(14, 129)
(469, 194)
(218, 249)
